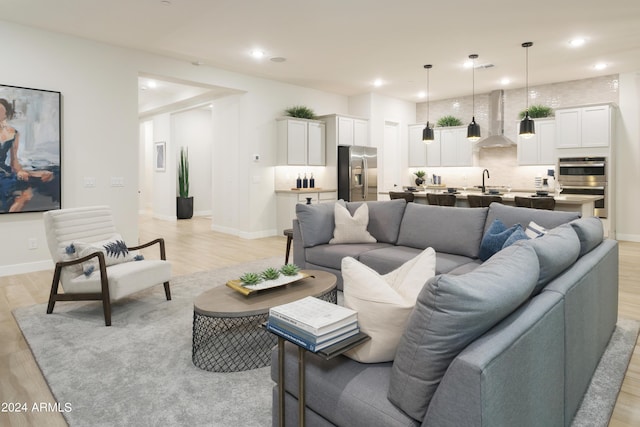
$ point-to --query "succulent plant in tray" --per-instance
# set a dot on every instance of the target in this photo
(289, 270)
(270, 274)
(249, 279)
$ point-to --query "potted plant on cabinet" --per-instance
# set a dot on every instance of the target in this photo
(184, 203)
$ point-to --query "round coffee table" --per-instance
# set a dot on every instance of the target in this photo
(227, 332)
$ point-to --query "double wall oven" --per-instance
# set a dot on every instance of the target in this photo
(585, 175)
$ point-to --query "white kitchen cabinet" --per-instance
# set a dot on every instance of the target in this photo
(540, 148)
(433, 149)
(455, 148)
(346, 130)
(301, 142)
(286, 204)
(417, 148)
(584, 126)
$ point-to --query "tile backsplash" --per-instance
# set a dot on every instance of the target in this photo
(502, 162)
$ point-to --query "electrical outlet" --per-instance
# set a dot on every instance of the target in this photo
(256, 157)
(32, 243)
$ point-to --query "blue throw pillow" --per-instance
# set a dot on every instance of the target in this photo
(494, 238)
(518, 234)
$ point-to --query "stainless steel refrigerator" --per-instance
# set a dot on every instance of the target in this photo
(357, 173)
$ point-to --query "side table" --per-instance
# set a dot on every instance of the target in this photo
(327, 353)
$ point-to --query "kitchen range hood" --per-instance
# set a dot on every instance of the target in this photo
(496, 136)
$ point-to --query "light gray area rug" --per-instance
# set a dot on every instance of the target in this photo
(600, 398)
(139, 370)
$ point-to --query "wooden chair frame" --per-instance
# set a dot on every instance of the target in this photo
(104, 280)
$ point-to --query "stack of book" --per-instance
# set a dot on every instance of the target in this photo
(312, 323)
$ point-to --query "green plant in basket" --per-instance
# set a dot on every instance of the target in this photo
(537, 112)
(248, 279)
(445, 121)
(289, 270)
(300, 111)
(270, 274)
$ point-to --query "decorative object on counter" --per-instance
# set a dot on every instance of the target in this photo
(551, 180)
(427, 132)
(537, 112)
(309, 200)
(184, 203)
(305, 181)
(446, 121)
(300, 112)
(299, 182)
(473, 130)
(527, 126)
(420, 177)
(538, 182)
(312, 182)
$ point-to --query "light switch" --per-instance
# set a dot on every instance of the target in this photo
(89, 181)
(117, 181)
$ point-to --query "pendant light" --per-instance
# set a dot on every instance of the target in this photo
(427, 132)
(527, 126)
(473, 130)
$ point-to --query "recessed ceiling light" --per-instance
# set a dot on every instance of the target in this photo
(278, 59)
(422, 94)
(505, 81)
(165, 3)
(600, 66)
(468, 64)
(258, 54)
(152, 84)
(577, 42)
(197, 63)
(378, 82)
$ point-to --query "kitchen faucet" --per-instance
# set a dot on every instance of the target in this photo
(483, 172)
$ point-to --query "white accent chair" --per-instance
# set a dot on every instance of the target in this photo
(107, 283)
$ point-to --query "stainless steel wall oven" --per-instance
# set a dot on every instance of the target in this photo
(585, 175)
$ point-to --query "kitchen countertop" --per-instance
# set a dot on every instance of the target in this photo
(308, 190)
(568, 199)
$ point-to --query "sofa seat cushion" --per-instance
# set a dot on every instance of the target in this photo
(384, 218)
(389, 258)
(454, 231)
(451, 312)
(331, 255)
(512, 215)
(343, 391)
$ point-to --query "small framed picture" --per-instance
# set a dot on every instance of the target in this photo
(160, 156)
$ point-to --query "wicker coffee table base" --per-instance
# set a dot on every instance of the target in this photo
(231, 344)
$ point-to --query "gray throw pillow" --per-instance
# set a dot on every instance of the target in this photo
(511, 215)
(589, 231)
(450, 313)
(557, 250)
(384, 218)
(316, 222)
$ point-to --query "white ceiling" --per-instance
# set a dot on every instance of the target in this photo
(343, 46)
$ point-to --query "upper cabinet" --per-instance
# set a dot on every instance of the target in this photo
(450, 147)
(584, 126)
(455, 148)
(346, 130)
(301, 142)
(540, 148)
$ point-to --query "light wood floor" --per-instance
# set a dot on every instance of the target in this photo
(192, 246)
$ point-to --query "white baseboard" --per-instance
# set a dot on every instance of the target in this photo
(28, 267)
(628, 237)
(244, 234)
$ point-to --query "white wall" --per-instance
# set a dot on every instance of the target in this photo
(101, 131)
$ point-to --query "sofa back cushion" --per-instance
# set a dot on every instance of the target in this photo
(557, 250)
(450, 313)
(511, 215)
(589, 231)
(384, 218)
(446, 229)
(316, 223)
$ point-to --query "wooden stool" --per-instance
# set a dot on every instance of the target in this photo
(289, 233)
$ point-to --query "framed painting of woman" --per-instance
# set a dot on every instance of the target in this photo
(29, 150)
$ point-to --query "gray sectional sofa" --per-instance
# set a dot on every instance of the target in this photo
(522, 332)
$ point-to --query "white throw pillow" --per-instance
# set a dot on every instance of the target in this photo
(384, 302)
(534, 230)
(114, 249)
(351, 229)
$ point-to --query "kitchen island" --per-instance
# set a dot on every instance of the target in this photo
(584, 204)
